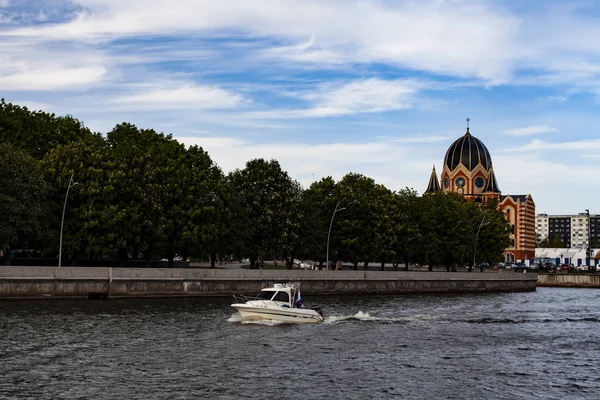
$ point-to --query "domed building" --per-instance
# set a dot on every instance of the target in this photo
(468, 171)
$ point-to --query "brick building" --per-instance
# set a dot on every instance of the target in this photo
(468, 171)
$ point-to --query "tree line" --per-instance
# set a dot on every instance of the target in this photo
(141, 192)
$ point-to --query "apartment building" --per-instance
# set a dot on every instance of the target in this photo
(575, 231)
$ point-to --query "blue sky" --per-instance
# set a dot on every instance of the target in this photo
(380, 88)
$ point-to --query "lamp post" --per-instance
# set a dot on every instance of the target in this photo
(329, 233)
(476, 237)
(71, 184)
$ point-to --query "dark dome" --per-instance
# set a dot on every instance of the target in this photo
(469, 151)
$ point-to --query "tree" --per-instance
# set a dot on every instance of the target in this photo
(364, 230)
(494, 236)
(553, 241)
(269, 199)
(88, 229)
(409, 228)
(317, 205)
(23, 200)
(150, 183)
(38, 132)
(212, 208)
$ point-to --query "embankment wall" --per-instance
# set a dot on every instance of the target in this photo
(83, 282)
(569, 280)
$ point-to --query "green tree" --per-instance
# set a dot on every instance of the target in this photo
(269, 198)
(554, 241)
(209, 228)
(363, 230)
(149, 183)
(23, 200)
(38, 132)
(494, 235)
(316, 208)
(88, 230)
(409, 228)
(447, 230)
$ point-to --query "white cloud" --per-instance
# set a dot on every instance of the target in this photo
(354, 97)
(368, 95)
(578, 145)
(542, 178)
(396, 165)
(558, 99)
(51, 78)
(387, 162)
(427, 35)
(530, 130)
(4, 3)
(421, 139)
(187, 97)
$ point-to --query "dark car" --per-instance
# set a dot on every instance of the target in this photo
(518, 267)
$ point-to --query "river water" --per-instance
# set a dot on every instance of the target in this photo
(544, 344)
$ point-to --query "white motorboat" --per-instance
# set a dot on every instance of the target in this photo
(282, 302)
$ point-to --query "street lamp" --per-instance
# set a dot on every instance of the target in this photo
(476, 237)
(329, 234)
(71, 184)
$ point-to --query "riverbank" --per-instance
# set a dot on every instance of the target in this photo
(82, 282)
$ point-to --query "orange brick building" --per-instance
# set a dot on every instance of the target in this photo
(468, 171)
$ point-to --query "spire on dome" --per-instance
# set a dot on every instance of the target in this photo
(434, 183)
(492, 185)
(468, 120)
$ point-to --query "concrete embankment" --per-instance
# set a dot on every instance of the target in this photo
(84, 282)
(569, 280)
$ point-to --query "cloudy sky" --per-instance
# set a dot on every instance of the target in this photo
(329, 87)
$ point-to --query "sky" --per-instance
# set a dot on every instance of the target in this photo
(328, 87)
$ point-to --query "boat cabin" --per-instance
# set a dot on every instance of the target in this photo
(285, 294)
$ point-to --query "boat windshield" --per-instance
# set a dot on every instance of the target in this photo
(282, 296)
(265, 295)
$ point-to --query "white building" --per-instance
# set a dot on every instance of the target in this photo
(541, 226)
(575, 231)
(567, 255)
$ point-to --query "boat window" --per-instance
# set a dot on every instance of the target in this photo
(282, 296)
(265, 295)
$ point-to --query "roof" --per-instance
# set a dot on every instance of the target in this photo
(492, 185)
(515, 197)
(566, 252)
(468, 151)
(434, 184)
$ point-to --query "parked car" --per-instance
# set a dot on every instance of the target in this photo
(304, 264)
(519, 267)
(564, 267)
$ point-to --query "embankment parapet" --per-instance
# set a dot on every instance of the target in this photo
(35, 282)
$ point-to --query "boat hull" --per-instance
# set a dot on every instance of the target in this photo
(288, 315)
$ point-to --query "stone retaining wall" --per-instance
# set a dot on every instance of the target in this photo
(569, 280)
(36, 282)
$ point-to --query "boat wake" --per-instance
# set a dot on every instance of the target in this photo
(237, 318)
(366, 317)
(336, 319)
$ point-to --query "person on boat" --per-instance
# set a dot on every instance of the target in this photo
(299, 301)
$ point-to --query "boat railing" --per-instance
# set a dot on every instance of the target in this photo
(240, 298)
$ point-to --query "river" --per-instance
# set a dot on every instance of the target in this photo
(543, 344)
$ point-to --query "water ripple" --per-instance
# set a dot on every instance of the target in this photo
(540, 345)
